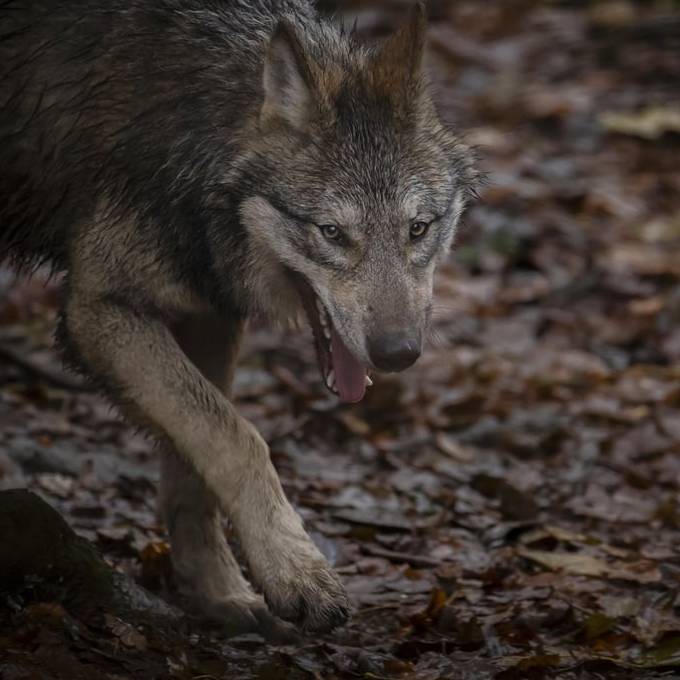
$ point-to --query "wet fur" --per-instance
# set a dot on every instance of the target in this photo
(173, 157)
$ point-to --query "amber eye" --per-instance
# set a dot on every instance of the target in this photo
(419, 229)
(330, 231)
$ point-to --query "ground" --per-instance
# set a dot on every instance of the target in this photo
(508, 508)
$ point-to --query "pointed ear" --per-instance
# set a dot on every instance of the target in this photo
(287, 79)
(399, 62)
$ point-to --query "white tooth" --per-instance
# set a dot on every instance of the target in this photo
(327, 332)
(330, 380)
(369, 382)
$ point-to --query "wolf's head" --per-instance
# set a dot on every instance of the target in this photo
(365, 189)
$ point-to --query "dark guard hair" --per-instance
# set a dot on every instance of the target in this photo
(188, 162)
(136, 101)
(144, 105)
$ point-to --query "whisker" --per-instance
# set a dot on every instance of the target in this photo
(434, 338)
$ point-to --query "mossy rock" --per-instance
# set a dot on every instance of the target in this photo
(43, 559)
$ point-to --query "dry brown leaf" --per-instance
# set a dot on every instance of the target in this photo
(649, 123)
(572, 563)
(579, 564)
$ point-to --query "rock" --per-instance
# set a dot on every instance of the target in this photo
(42, 558)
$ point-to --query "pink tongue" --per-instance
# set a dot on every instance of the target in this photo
(350, 375)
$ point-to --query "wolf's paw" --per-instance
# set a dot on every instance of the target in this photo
(245, 613)
(312, 598)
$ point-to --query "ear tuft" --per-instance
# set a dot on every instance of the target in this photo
(399, 62)
(287, 79)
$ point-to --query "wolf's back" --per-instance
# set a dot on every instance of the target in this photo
(116, 99)
(28, 196)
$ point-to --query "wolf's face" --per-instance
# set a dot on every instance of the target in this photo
(366, 190)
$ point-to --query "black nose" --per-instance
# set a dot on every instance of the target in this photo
(394, 351)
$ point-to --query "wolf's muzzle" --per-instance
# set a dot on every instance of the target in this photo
(393, 352)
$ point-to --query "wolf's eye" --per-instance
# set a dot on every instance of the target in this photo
(331, 232)
(419, 229)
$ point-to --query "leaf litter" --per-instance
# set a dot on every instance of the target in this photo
(510, 507)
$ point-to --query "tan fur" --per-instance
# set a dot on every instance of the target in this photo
(161, 388)
(183, 168)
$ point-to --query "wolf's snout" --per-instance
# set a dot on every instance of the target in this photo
(394, 351)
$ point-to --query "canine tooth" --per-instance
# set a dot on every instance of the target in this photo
(330, 380)
(327, 332)
(369, 382)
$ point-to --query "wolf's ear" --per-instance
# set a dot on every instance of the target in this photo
(287, 79)
(399, 62)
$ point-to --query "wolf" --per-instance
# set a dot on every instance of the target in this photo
(189, 164)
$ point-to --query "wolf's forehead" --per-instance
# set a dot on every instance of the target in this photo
(360, 208)
(387, 177)
(384, 178)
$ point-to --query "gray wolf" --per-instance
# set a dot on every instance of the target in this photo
(190, 163)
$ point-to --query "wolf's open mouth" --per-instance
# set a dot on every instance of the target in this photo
(341, 371)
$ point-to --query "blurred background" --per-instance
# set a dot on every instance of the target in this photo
(508, 508)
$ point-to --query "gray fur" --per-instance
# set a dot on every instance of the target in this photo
(177, 158)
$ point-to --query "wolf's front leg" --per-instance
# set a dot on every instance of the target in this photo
(132, 351)
(206, 571)
(205, 568)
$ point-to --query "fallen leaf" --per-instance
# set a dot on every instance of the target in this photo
(578, 564)
(571, 563)
(597, 624)
(431, 613)
(650, 123)
(126, 633)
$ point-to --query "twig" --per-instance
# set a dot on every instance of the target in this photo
(54, 377)
(379, 607)
(396, 556)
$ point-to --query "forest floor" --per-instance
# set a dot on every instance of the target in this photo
(509, 508)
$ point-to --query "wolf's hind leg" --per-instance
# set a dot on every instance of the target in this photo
(206, 571)
(205, 568)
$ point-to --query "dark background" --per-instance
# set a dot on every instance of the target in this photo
(509, 507)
